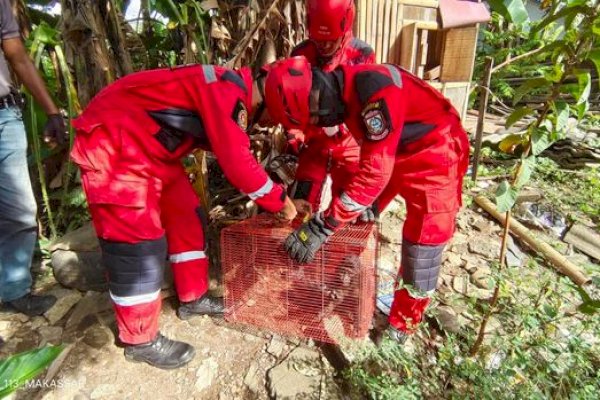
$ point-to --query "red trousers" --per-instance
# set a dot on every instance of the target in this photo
(428, 174)
(139, 201)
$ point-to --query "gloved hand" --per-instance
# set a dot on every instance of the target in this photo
(370, 214)
(55, 131)
(302, 245)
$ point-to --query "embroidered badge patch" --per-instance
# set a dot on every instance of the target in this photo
(240, 115)
(376, 119)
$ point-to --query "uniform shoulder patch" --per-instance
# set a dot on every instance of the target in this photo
(376, 118)
(240, 115)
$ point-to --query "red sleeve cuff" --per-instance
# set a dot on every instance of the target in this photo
(271, 197)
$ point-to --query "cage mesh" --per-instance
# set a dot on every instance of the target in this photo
(330, 299)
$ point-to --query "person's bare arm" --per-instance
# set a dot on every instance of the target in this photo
(21, 63)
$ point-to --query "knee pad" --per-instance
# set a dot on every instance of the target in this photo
(134, 269)
(421, 265)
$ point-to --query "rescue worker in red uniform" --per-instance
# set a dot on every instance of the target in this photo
(331, 150)
(412, 144)
(129, 143)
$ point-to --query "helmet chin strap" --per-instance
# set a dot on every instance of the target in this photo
(326, 98)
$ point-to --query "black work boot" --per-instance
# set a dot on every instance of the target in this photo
(162, 352)
(32, 305)
(397, 335)
(205, 305)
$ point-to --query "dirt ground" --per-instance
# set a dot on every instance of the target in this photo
(231, 362)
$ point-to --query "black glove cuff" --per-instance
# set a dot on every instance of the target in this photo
(319, 225)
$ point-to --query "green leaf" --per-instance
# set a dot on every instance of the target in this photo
(506, 196)
(527, 168)
(167, 8)
(589, 308)
(45, 34)
(517, 115)
(594, 56)
(540, 141)
(582, 109)
(528, 86)
(513, 10)
(556, 73)
(566, 13)
(585, 297)
(510, 143)
(17, 369)
(550, 311)
(561, 110)
(551, 47)
(596, 26)
(584, 81)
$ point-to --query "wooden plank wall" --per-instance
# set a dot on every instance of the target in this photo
(406, 32)
(380, 23)
(458, 54)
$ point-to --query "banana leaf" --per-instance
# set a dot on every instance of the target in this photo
(18, 369)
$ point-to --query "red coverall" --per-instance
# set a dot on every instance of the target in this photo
(328, 150)
(129, 143)
(412, 144)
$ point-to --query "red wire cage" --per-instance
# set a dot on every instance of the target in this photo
(330, 299)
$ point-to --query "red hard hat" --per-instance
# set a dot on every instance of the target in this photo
(329, 20)
(287, 91)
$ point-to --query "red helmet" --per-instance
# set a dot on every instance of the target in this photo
(329, 20)
(287, 90)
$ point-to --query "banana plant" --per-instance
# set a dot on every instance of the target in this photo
(191, 19)
(46, 51)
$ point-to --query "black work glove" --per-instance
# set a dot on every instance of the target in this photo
(55, 130)
(302, 244)
(370, 214)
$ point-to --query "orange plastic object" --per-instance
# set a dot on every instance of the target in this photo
(328, 300)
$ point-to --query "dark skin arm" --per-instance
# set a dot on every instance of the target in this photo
(21, 63)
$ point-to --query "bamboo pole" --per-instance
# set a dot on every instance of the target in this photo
(483, 101)
(380, 30)
(394, 35)
(363, 20)
(387, 31)
(557, 260)
(369, 23)
(399, 29)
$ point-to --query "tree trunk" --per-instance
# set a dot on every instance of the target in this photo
(114, 23)
(20, 11)
(85, 40)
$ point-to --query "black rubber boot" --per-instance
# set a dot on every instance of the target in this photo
(162, 353)
(32, 305)
(205, 305)
(397, 335)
